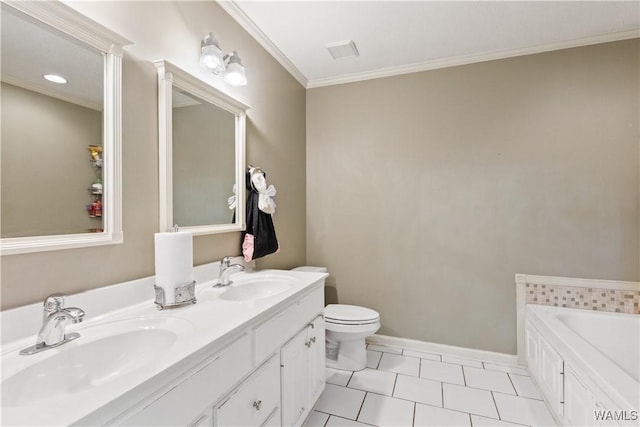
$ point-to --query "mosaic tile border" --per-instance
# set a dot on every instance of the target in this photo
(599, 299)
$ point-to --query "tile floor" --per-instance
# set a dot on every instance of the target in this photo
(402, 387)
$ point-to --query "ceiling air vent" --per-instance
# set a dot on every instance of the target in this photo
(343, 49)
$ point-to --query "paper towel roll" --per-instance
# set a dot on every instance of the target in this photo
(174, 262)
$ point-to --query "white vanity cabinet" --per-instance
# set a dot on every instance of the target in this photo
(189, 402)
(254, 401)
(271, 374)
(303, 372)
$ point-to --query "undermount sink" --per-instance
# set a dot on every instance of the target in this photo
(250, 287)
(263, 288)
(103, 353)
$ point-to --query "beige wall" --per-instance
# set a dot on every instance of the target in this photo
(275, 141)
(427, 192)
(46, 172)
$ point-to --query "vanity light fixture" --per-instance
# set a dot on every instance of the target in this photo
(213, 59)
(55, 78)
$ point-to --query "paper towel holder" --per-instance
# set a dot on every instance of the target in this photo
(185, 294)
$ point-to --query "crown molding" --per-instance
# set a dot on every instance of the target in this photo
(232, 8)
(471, 59)
(249, 26)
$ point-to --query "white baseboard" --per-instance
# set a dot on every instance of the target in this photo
(449, 350)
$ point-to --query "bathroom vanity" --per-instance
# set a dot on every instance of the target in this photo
(248, 354)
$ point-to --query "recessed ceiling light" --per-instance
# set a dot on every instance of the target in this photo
(55, 78)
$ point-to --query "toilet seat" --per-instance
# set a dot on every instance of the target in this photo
(344, 314)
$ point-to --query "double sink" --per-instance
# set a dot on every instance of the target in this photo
(111, 350)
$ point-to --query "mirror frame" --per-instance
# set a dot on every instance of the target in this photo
(80, 27)
(170, 76)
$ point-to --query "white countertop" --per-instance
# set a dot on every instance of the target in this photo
(199, 328)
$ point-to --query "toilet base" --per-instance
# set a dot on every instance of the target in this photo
(352, 356)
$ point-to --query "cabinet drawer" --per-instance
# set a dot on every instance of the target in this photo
(252, 403)
(180, 405)
(272, 334)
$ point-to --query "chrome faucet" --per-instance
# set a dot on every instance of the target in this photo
(54, 320)
(226, 268)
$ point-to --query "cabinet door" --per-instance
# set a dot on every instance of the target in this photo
(294, 374)
(253, 401)
(317, 372)
(532, 341)
(579, 403)
(552, 377)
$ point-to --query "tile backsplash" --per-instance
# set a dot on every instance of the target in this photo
(615, 300)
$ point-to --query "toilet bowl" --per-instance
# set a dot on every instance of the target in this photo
(346, 327)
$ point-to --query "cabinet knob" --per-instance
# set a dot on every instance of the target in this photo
(308, 343)
(257, 404)
(313, 339)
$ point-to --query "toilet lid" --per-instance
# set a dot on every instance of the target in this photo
(343, 313)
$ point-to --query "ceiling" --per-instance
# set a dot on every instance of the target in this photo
(31, 49)
(397, 37)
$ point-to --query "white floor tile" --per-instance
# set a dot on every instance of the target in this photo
(523, 410)
(525, 386)
(400, 364)
(341, 401)
(373, 358)
(479, 421)
(386, 349)
(421, 354)
(337, 376)
(439, 371)
(386, 411)
(431, 416)
(462, 361)
(488, 380)
(373, 380)
(506, 368)
(316, 419)
(418, 390)
(468, 399)
(343, 422)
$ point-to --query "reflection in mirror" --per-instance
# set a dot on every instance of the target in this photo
(201, 145)
(46, 128)
(203, 161)
(60, 129)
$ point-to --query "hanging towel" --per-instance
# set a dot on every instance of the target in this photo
(259, 239)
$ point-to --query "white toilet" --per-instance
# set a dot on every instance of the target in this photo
(346, 328)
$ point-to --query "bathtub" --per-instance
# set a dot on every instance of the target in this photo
(603, 347)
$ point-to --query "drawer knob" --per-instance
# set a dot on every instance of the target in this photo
(308, 343)
(313, 339)
(257, 404)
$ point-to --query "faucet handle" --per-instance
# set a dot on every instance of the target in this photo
(54, 302)
(225, 262)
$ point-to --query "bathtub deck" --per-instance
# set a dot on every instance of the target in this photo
(402, 387)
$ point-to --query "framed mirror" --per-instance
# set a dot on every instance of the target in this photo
(202, 154)
(61, 87)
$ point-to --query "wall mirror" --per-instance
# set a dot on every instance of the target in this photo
(60, 129)
(202, 160)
